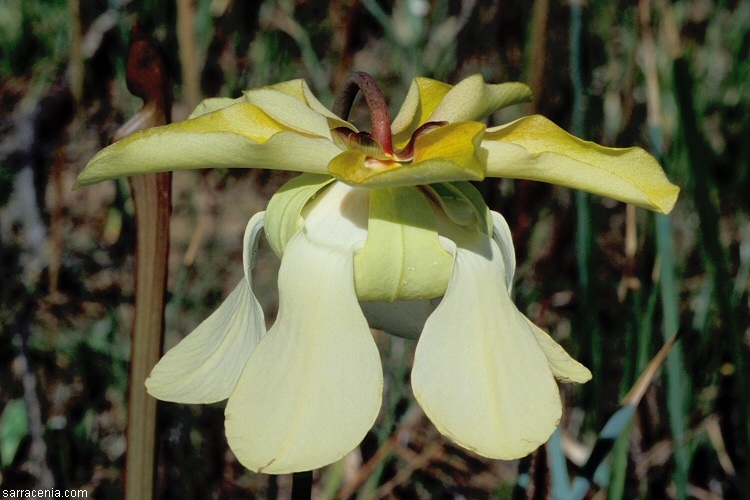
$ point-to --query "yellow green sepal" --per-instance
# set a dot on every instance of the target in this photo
(283, 215)
(423, 97)
(402, 258)
(299, 89)
(242, 135)
(463, 204)
(534, 148)
(470, 100)
(304, 111)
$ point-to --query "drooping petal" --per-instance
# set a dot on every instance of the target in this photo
(448, 153)
(473, 100)
(564, 367)
(205, 366)
(534, 148)
(402, 258)
(312, 388)
(238, 136)
(479, 372)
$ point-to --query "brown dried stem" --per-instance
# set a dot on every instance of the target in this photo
(151, 194)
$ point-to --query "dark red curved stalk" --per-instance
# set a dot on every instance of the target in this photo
(381, 121)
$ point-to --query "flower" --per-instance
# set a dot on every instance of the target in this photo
(381, 230)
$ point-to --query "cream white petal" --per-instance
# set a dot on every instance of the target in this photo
(250, 244)
(479, 372)
(312, 388)
(284, 211)
(338, 216)
(205, 366)
(504, 239)
(563, 366)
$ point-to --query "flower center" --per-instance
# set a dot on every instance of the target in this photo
(378, 145)
(375, 151)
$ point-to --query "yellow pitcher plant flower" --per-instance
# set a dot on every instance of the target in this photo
(381, 230)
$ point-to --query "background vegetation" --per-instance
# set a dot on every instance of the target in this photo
(608, 281)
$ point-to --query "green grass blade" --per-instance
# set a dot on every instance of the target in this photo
(677, 390)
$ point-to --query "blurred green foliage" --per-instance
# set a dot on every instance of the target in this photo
(33, 37)
(13, 429)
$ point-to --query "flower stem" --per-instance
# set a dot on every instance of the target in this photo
(147, 79)
(381, 122)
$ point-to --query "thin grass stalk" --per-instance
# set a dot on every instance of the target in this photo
(536, 52)
(583, 208)
(619, 467)
(333, 479)
(383, 19)
(57, 221)
(640, 338)
(677, 390)
(370, 486)
(646, 331)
